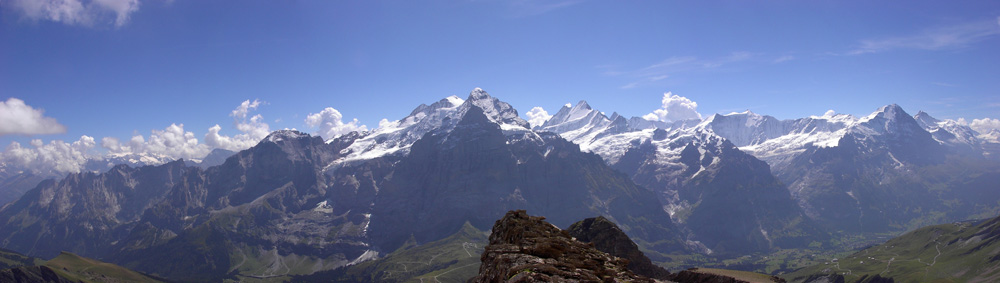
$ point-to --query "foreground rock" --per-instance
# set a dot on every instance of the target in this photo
(525, 248)
(607, 237)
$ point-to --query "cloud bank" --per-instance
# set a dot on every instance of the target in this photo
(21, 119)
(331, 125)
(170, 143)
(55, 156)
(674, 108)
(76, 12)
(984, 125)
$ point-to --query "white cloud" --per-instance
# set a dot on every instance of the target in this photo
(941, 38)
(77, 12)
(385, 123)
(172, 142)
(241, 111)
(175, 143)
(984, 125)
(331, 125)
(829, 113)
(674, 108)
(252, 130)
(19, 118)
(56, 156)
(537, 116)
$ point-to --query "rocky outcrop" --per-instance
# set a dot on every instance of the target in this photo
(525, 248)
(607, 237)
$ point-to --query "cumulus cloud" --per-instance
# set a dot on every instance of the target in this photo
(170, 143)
(252, 130)
(984, 125)
(674, 108)
(173, 142)
(77, 12)
(537, 116)
(241, 111)
(19, 118)
(331, 125)
(55, 157)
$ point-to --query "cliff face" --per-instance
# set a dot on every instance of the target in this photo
(607, 237)
(525, 248)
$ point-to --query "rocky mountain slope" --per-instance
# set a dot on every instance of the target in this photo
(728, 200)
(295, 204)
(607, 237)
(887, 171)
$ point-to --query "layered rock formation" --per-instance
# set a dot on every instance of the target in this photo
(607, 237)
(525, 248)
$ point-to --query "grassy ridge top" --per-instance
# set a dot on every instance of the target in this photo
(75, 267)
(955, 252)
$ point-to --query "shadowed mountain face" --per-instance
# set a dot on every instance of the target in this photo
(727, 201)
(475, 173)
(294, 204)
(886, 173)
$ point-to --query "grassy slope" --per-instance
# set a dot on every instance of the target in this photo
(751, 277)
(75, 267)
(452, 259)
(10, 259)
(957, 252)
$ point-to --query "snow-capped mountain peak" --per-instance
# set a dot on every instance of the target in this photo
(889, 119)
(497, 111)
(926, 120)
(282, 135)
(396, 137)
(889, 113)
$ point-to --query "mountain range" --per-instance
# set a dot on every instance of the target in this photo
(296, 204)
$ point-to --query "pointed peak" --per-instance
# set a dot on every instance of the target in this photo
(890, 112)
(582, 105)
(891, 108)
(615, 116)
(478, 94)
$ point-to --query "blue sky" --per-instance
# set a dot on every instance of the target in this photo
(121, 68)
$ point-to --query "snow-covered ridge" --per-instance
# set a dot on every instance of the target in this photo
(282, 135)
(396, 137)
